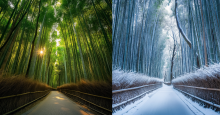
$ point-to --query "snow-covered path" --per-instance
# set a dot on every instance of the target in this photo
(165, 101)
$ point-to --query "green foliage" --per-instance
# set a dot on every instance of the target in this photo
(3, 4)
(82, 52)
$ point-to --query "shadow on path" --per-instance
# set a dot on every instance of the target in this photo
(57, 103)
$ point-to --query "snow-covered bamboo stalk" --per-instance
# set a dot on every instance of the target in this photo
(179, 27)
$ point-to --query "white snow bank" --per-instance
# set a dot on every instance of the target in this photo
(131, 79)
(201, 73)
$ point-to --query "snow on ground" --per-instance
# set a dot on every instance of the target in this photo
(119, 77)
(201, 73)
(133, 107)
(195, 107)
(165, 101)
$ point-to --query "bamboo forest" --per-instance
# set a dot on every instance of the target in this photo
(56, 41)
(170, 46)
(140, 46)
(50, 45)
(110, 57)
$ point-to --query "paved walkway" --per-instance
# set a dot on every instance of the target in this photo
(164, 102)
(57, 103)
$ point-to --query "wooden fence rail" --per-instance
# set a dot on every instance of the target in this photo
(210, 96)
(213, 89)
(21, 94)
(12, 103)
(133, 88)
(94, 102)
(122, 97)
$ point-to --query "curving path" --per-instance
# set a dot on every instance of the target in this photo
(57, 103)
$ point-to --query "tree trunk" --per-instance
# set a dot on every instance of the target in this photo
(9, 21)
(32, 49)
(204, 41)
(180, 29)
(80, 50)
(34, 52)
(14, 26)
(172, 59)
(15, 64)
(8, 49)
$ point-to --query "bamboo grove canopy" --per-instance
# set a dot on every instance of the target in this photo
(139, 42)
(56, 41)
